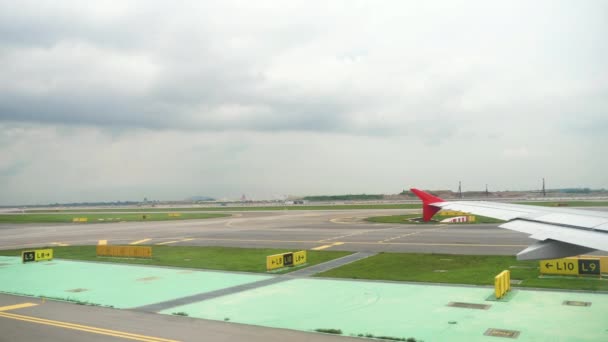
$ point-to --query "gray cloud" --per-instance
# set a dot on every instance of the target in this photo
(515, 83)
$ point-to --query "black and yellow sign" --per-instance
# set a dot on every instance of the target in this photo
(288, 259)
(276, 261)
(570, 266)
(37, 255)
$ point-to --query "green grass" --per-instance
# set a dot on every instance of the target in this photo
(405, 219)
(102, 218)
(244, 208)
(461, 269)
(216, 258)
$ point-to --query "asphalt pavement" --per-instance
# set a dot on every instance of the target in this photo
(331, 230)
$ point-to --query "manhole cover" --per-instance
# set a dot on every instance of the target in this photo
(502, 333)
(3, 264)
(76, 290)
(469, 305)
(576, 303)
(148, 279)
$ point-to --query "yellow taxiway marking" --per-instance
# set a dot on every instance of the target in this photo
(320, 247)
(173, 241)
(168, 242)
(102, 242)
(356, 233)
(60, 244)
(327, 246)
(139, 241)
(410, 234)
(368, 243)
(84, 328)
(17, 306)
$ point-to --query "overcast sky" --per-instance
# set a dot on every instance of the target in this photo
(103, 101)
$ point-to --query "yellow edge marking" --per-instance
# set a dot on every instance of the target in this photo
(61, 244)
(168, 242)
(321, 247)
(85, 328)
(139, 241)
(337, 243)
(102, 242)
(187, 240)
(17, 306)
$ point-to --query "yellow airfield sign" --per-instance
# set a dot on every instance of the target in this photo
(37, 255)
(451, 213)
(299, 258)
(570, 266)
(276, 261)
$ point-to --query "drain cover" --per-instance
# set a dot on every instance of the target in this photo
(469, 305)
(502, 333)
(576, 303)
(3, 264)
(76, 290)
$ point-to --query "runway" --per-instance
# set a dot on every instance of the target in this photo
(329, 230)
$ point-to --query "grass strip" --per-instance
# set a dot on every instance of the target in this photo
(457, 269)
(215, 258)
(103, 218)
(238, 208)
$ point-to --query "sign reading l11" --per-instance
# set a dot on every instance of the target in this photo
(570, 266)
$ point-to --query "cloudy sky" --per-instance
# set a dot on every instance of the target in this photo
(103, 100)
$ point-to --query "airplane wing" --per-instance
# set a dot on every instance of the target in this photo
(560, 232)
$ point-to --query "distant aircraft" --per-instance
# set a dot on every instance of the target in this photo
(561, 232)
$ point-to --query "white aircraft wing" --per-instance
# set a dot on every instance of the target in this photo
(560, 232)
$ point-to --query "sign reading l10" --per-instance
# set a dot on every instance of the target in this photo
(570, 266)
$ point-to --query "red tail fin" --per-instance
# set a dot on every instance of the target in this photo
(427, 210)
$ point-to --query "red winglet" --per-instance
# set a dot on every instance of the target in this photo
(427, 210)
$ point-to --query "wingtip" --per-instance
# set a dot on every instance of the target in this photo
(427, 209)
(425, 197)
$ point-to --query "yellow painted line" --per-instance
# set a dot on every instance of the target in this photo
(168, 242)
(61, 244)
(337, 243)
(17, 306)
(102, 242)
(174, 241)
(139, 241)
(321, 247)
(85, 328)
(369, 243)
